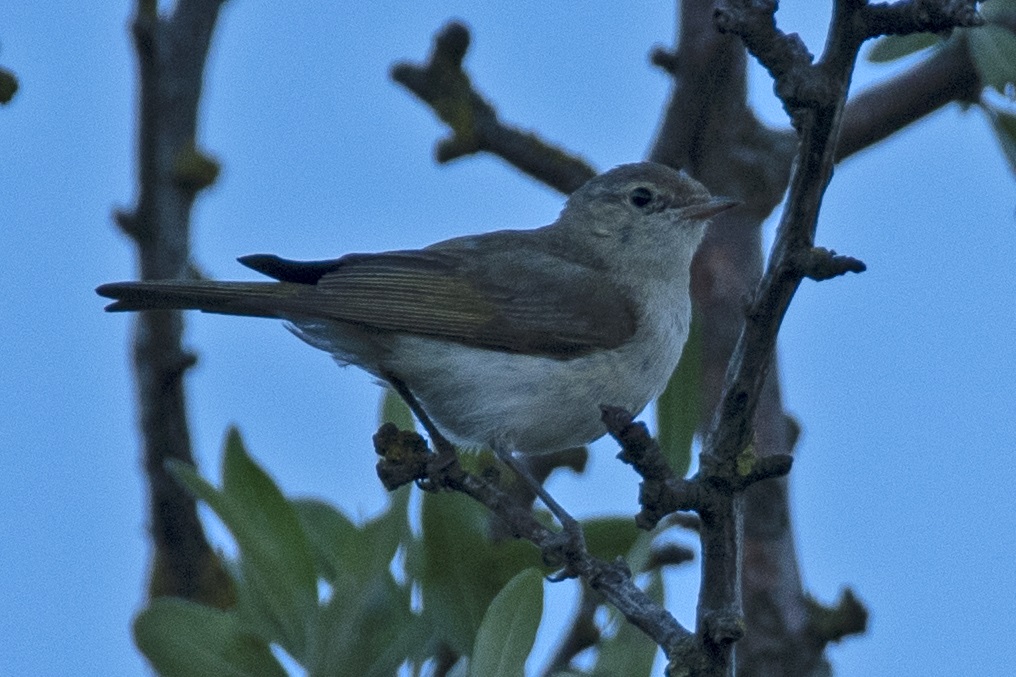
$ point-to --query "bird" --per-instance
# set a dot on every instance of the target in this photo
(511, 339)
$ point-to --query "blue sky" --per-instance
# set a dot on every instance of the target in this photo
(902, 377)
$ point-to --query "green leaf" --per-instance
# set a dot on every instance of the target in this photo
(892, 47)
(460, 668)
(455, 590)
(508, 630)
(333, 538)
(395, 410)
(342, 548)
(998, 11)
(367, 629)
(277, 578)
(1004, 125)
(460, 569)
(610, 537)
(386, 532)
(630, 652)
(679, 407)
(993, 49)
(641, 552)
(190, 640)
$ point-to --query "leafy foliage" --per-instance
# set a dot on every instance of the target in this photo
(893, 47)
(186, 638)
(508, 630)
(345, 599)
(678, 409)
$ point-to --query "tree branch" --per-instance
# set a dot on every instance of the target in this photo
(171, 56)
(814, 96)
(442, 84)
(709, 131)
(405, 458)
(947, 75)
(818, 116)
(917, 16)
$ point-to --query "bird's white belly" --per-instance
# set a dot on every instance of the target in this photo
(530, 403)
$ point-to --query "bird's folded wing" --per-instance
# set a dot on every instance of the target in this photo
(529, 302)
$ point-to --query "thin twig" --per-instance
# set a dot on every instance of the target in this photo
(404, 456)
(445, 87)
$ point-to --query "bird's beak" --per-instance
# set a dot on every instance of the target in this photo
(708, 210)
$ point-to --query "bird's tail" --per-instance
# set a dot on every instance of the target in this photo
(258, 299)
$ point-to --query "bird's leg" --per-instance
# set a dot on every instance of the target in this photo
(573, 540)
(444, 449)
(572, 529)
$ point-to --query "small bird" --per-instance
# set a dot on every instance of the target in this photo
(512, 339)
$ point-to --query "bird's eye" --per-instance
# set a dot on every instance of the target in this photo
(640, 197)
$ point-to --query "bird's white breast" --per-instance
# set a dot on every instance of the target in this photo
(534, 403)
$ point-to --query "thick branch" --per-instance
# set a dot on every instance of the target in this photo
(947, 75)
(743, 160)
(171, 56)
(818, 122)
(814, 96)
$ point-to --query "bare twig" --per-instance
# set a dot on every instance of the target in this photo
(445, 87)
(8, 86)
(404, 455)
(917, 16)
(831, 624)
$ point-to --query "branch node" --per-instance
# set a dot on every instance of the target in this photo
(404, 456)
(664, 59)
(819, 263)
(442, 84)
(797, 83)
(638, 448)
(723, 627)
(175, 369)
(831, 624)
(127, 222)
(456, 146)
(661, 498)
(8, 86)
(452, 43)
(194, 170)
(755, 24)
(143, 29)
(743, 470)
(767, 467)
